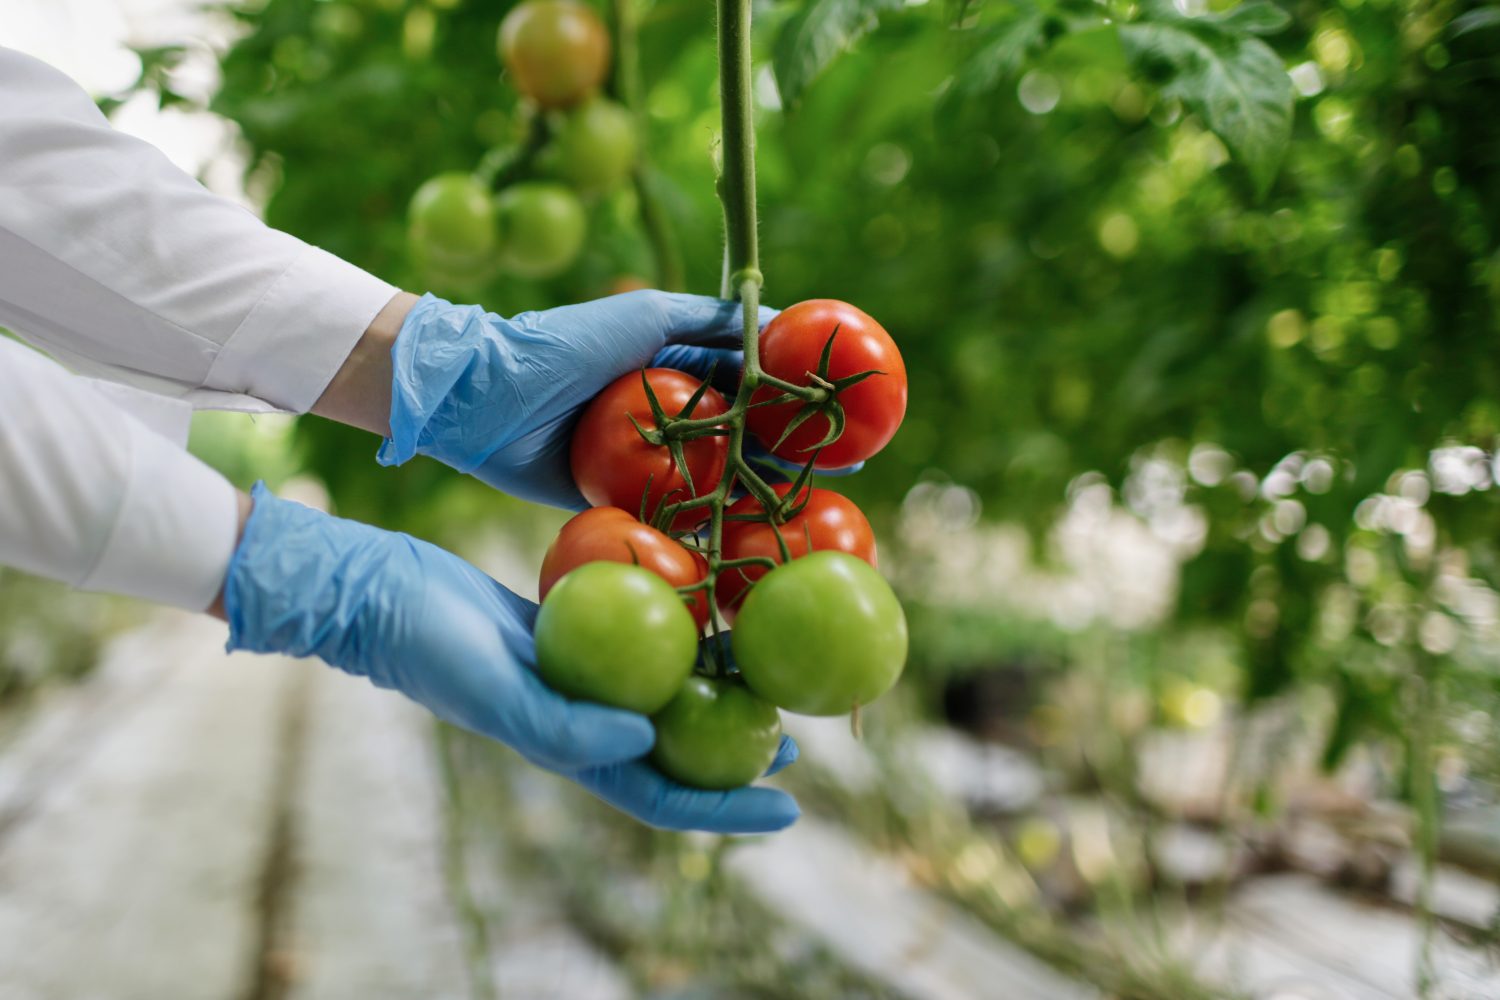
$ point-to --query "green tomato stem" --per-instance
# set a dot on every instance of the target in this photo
(627, 87)
(502, 167)
(736, 189)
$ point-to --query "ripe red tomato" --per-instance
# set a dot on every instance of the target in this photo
(831, 523)
(613, 465)
(790, 347)
(556, 51)
(609, 534)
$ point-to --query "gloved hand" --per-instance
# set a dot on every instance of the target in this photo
(411, 616)
(498, 397)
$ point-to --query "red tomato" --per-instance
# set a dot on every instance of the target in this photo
(790, 347)
(613, 465)
(609, 534)
(829, 521)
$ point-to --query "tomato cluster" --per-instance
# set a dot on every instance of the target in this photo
(581, 144)
(817, 630)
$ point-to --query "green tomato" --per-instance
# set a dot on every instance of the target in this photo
(451, 222)
(821, 635)
(542, 228)
(595, 146)
(716, 734)
(616, 634)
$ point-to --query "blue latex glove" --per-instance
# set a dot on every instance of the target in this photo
(498, 397)
(411, 616)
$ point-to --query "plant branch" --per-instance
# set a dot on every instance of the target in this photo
(627, 88)
(505, 165)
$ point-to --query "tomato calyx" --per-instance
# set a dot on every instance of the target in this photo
(670, 431)
(819, 397)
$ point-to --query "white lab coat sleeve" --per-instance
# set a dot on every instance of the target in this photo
(123, 267)
(93, 497)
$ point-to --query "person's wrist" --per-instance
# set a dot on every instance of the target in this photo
(360, 393)
(245, 506)
(438, 351)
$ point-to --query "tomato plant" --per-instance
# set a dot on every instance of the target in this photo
(542, 228)
(594, 147)
(822, 520)
(716, 734)
(792, 348)
(615, 634)
(821, 635)
(613, 535)
(556, 51)
(451, 222)
(613, 463)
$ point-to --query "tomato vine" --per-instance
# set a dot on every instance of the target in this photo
(742, 281)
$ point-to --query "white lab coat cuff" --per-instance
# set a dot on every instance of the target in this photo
(271, 357)
(175, 530)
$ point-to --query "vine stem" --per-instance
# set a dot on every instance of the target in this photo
(627, 85)
(501, 167)
(736, 189)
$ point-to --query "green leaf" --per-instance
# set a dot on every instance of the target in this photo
(1235, 83)
(1002, 53)
(1253, 19)
(1475, 20)
(817, 35)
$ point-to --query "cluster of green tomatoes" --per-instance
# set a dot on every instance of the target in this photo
(461, 233)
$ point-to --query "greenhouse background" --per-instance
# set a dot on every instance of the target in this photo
(1193, 516)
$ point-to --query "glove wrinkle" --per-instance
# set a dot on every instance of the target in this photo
(498, 398)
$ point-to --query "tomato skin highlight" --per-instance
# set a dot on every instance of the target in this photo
(612, 464)
(618, 635)
(830, 520)
(821, 635)
(556, 51)
(716, 734)
(790, 347)
(609, 534)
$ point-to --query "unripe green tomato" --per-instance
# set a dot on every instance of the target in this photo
(821, 635)
(615, 634)
(451, 222)
(595, 147)
(542, 228)
(716, 734)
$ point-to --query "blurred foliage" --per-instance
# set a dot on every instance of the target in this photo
(1257, 242)
(47, 632)
(659, 904)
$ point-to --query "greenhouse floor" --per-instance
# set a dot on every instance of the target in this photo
(183, 824)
